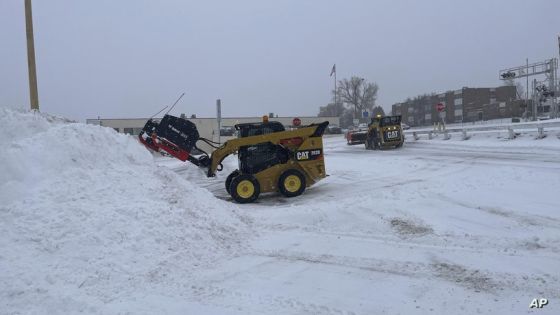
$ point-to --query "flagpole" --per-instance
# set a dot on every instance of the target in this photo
(335, 90)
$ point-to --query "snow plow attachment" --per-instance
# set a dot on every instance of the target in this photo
(173, 135)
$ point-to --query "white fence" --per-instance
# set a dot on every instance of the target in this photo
(540, 128)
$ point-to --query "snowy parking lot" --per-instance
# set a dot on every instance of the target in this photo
(457, 227)
(92, 223)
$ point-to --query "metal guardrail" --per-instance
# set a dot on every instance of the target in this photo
(466, 131)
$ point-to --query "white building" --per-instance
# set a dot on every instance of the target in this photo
(207, 127)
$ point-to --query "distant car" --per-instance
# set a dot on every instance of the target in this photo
(227, 131)
(334, 130)
(405, 126)
(357, 135)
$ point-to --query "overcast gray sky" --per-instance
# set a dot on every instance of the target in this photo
(128, 58)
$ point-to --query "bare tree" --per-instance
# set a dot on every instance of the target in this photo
(346, 118)
(332, 110)
(358, 93)
(377, 110)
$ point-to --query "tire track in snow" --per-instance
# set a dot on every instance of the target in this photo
(470, 278)
(274, 304)
(522, 220)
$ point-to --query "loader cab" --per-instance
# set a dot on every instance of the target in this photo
(257, 129)
(255, 158)
(390, 121)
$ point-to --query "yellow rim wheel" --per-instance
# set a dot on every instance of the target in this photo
(292, 183)
(245, 189)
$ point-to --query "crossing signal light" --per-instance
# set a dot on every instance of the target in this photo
(508, 75)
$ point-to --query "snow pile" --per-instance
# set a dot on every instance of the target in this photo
(87, 219)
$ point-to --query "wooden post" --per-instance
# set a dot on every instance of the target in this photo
(33, 94)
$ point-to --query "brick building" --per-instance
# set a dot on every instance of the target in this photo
(464, 105)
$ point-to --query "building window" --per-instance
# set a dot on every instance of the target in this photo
(136, 131)
(458, 92)
(458, 112)
(502, 104)
(128, 131)
(492, 100)
(458, 119)
(458, 101)
(410, 110)
(441, 96)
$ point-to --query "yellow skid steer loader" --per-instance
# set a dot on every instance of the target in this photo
(384, 133)
(270, 158)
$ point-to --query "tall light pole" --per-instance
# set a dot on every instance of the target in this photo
(33, 94)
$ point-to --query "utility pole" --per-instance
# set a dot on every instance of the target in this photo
(219, 118)
(527, 86)
(33, 94)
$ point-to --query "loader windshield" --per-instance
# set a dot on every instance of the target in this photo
(257, 129)
(390, 121)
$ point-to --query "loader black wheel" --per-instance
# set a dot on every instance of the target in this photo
(245, 188)
(230, 178)
(291, 183)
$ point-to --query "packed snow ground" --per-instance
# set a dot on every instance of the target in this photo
(442, 227)
(90, 223)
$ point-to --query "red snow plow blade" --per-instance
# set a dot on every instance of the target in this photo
(173, 135)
